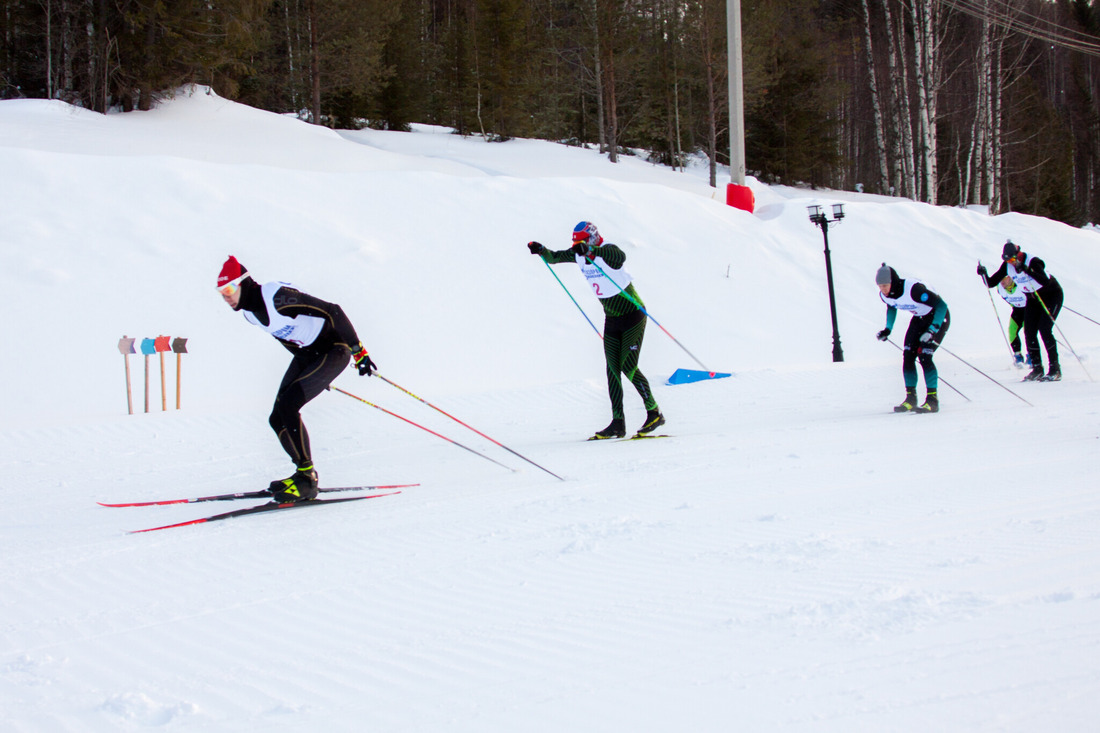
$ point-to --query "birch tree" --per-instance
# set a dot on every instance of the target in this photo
(876, 103)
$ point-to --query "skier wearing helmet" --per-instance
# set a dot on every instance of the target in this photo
(927, 327)
(320, 337)
(624, 321)
(1044, 301)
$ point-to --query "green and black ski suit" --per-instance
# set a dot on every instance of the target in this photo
(624, 319)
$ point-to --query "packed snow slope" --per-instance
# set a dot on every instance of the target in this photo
(794, 557)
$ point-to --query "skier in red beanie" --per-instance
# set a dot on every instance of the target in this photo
(320, 337)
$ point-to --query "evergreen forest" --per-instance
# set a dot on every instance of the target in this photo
(953, 102)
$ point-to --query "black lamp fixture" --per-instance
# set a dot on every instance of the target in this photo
(818, 217)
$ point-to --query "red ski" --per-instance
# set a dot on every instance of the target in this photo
(263, 494)
(269, 507)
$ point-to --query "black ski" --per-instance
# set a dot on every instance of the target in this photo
(269, 507)
(262, 494)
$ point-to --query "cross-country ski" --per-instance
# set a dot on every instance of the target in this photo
(261, 494)
(269, 507)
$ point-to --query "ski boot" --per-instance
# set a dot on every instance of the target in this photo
(653, 420)
(909, 403)
(1054, 375)
(1035, 374)
(617, 429)
(931, 402)
(301, 486)
(1018, 360)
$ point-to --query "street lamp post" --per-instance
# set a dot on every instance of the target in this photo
(818, 217)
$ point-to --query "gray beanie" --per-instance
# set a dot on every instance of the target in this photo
(885, 275)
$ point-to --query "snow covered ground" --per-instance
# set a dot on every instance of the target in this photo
(795, 557)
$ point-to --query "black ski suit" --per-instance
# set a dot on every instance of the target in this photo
(314, 366)
(1043, 306)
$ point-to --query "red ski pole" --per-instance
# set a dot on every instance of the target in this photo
(418, 425)
(444, 412)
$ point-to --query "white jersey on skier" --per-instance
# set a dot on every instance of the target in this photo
(605, 280)
(299, 330)
(1017, 297)
(1026, 282)
(905, 301)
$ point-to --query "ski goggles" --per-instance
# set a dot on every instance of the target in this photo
(231, 288)
(1012, 259)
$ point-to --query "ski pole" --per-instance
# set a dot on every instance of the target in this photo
(410, 422)
(960, 394)
(437, 409)
(641, 307)
(991, 379)
(1080, 314)
(1063, 335)
(1000, 326)
(590, 323)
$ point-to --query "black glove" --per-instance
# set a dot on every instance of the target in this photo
(580, 248)
(363, 363)
(983, 272)
(536, 248)
(883, 334)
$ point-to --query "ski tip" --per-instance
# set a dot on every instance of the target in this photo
(144, 503)
(170, 526)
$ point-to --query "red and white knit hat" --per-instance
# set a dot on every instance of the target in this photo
(232, 273)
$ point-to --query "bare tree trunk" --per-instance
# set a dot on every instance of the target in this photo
(709, 66)
(145, 84)
(925, 76)
(91, 94)
(68, 48)
(291, 70)
(903, 121)
(8, 39)
(612, 112)
(600, 118)
(49, 50)
(973, 183)
(605, 50)
(712, 131)
(314, 63)
(876, 104)
(676, 142)
(477, 70)
(994, 150)
(102, 53)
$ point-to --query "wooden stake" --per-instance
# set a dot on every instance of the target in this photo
(163, 388)
(126, 347)
(179, 345)
(129, 397)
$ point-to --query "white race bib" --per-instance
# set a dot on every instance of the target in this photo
(299, 330)
(605, 281)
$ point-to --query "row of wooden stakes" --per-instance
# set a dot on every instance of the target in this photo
(148, 347)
